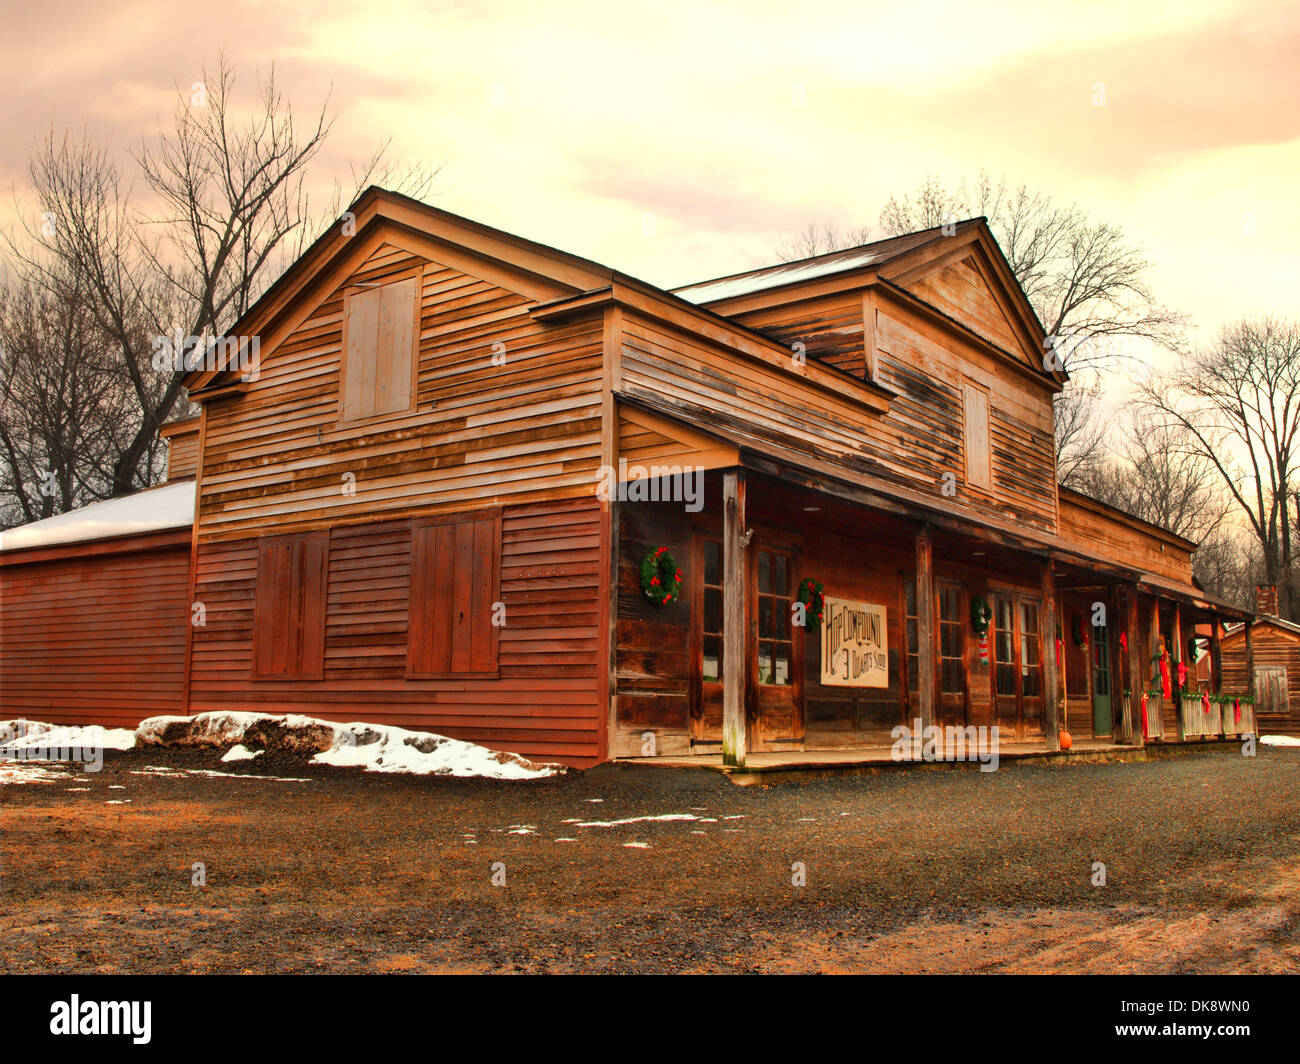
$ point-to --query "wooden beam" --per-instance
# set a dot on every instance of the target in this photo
(1216, 655)
(1250, 661)
(925, 627)
(1051, 710)
(1153, 651)
(1180, 656)
(734, 739)
(1133, 636)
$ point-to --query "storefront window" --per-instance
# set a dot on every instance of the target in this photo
(775, 641)
(711, 613)
(952, 643)
(1031, 661)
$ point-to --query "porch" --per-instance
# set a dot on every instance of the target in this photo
(780, 767)
(933, 623)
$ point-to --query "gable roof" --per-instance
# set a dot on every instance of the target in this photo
(906, 266)
(559, 275)
(875, 254)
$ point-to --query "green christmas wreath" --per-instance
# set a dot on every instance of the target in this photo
(980, 614)
(661, 580)
(814, 603)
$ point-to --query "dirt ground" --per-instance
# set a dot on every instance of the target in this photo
(325, 870)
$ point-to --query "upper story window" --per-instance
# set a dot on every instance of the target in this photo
(979, 458)
(380, 338)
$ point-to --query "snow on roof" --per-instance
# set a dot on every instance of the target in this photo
(872, 254)
(151, 510)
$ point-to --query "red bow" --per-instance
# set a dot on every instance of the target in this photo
(1123, 642)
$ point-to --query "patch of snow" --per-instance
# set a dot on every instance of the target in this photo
(239, 752)
(384, 748)
(566, 840)
(213, 774)
(374, 747)
(35, 736)
(31, 772)
(119, 801)
(151, 510)
(593, 799)
(116, 787)
(1279, 740)
(637, 845)
(637, 820)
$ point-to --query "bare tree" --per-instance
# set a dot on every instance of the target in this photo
(1080, 433)
(1238, 404)
(814, 240)
(225, 208)
(1086, 282)
(61, 401)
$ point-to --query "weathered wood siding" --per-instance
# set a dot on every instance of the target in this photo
(920, 439)
(544, 703)
(1273, 647)
(1087, 526)
(526, 428)
(96, 633)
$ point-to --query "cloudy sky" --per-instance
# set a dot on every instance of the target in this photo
(733, 125)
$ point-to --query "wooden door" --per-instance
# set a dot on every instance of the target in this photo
(775, 650)
(1017, 665)
(1102, 715)
(706, 640)
(1271, 696)
(1032, 702)
(951, 638)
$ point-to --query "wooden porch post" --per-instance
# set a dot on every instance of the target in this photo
(1216, 656)
(1136, 679)
(1179, 651)
(734, 739)
(1051, 715)
(925, 649)
(1250, 659)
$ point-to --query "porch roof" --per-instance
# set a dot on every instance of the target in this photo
(836, 477)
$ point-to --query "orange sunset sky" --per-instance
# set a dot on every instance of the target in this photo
(735, 124)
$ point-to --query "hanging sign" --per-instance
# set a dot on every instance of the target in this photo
(855, 651)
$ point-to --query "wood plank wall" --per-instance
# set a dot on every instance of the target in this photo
(94, 637)
(527, 429)
(545, 702)
(922, 436)
(1273, 646)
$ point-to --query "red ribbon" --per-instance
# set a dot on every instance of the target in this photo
(1144, 714)
(1123, 642)
(1165, 688)
(1236, 710)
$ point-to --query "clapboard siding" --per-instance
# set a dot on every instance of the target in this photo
(94, 637)
(1107, 533)
(544, 703)
(919, 443)
(526, 428)
(1273, 646)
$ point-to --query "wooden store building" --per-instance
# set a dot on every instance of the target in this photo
(475, 485)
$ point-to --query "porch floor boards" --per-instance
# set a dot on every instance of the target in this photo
(769, 767)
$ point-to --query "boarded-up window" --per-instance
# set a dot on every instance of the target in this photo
(455, 584)
(289, 614)
(979, 472)
(379, 338)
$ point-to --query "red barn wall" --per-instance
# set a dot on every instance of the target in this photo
(94, 633)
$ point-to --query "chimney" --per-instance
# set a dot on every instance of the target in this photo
(1266, 599)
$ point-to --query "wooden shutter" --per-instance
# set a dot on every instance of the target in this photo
(289, 611)
(979, 473)
(379, 349)
(455, 582)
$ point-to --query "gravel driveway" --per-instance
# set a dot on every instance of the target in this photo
(927, 871)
